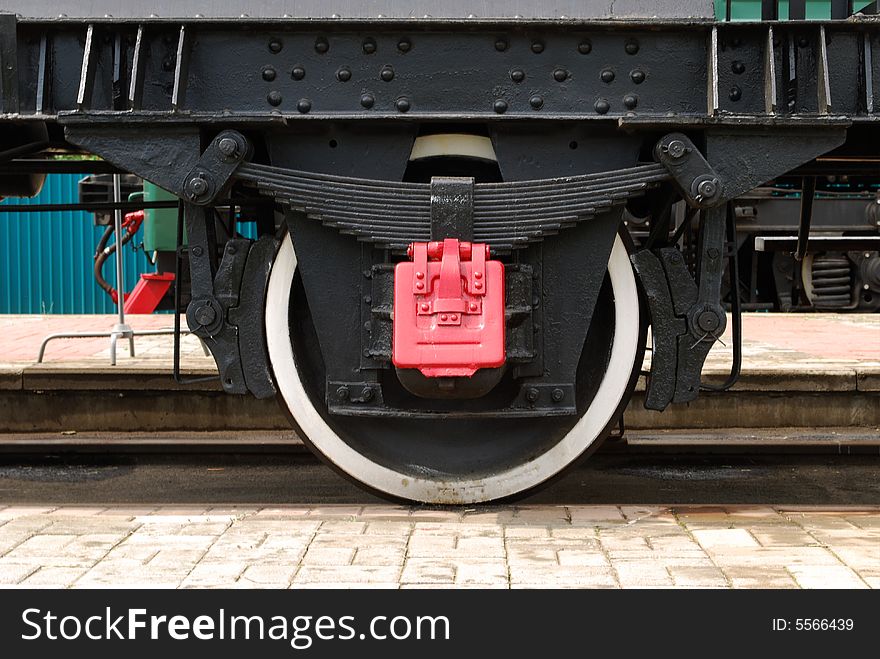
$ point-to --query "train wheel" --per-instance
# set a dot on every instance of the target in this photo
(456, 461)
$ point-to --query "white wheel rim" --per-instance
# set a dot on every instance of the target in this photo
(585, 432)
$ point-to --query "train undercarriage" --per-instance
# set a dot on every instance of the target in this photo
(453, 279)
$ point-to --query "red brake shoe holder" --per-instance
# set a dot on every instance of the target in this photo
(448, 309)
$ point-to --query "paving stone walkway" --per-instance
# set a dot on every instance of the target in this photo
(402, 547)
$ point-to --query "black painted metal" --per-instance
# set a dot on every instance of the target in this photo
(452, 208)
(320, 116)
(505, 215)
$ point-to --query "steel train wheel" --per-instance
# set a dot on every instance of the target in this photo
(456, 461)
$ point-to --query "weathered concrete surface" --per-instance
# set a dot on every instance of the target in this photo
(817, 370)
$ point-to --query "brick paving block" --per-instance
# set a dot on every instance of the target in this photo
(269, 574)
(213, 574)
(814, 522)
(561, 577)
(569, 556)
(826, 576)
(332, 575)
(358, 541)
(175, 558)
(430, 545)
(480, 516)
(773, 556)
(784, 536)
(686, 576)
(528, 555)
(482, 573)
(85, 526)
(526, 532)
(641, 512)
(251, 525)
(362, 585)
(13, 573)
(19, 511)
(78, 511)
(873, 582)
(211, 528)
(480, 546)
(335, 556)
(128, 511)
(586, 533)
(847, 538)
(427, 570)
(329, 511)
(639, 574)
(380, 555)
(675, 544)
(53, 577)
(40, 543)
(713, 538)
(340, 527)
(236, 512)
(435, 515)
(541, 516)
(613, 542)
(390, 529)
(860, 558)
(591, 515)
(385, 511)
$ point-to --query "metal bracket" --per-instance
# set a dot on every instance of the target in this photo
(229, 325)
(691, 173)
(215, 167)
(452, 208)
(686, 318)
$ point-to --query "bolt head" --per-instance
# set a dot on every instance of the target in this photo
(676, 149)
(708, 321)
(602, 106)
(404, 45)
(196, 187)
(630, 101)
(560, 75)
(557, 395)
(387, 74)
(304, 105)
(367, 101)
(500, 106)
(708, 188)
(274, 98)
(197, 250)
(637, 76)
(367, 393)
(321, 45)
(584, 47)
(607, 75)
(403, 104)
(632, 47)
(531, 394)
(298, 73)
(205, 314)
(369, 46)
(537, 47)
(275, 46)
(500, 45)
(228, 147)
(342, 393)
(343, 75)
(536, 102)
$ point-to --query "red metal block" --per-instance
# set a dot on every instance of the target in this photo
(149, 291)
(448, 309)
